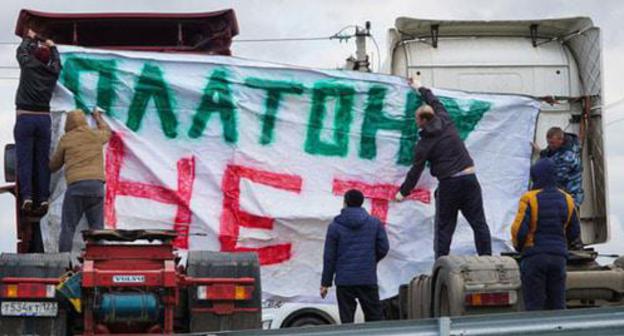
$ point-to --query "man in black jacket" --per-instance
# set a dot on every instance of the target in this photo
(40, 66)
(450, 163)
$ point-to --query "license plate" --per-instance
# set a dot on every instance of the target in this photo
(22, 308)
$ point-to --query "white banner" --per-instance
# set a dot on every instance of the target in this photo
(238, 155)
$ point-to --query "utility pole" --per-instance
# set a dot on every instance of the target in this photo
(360, 61)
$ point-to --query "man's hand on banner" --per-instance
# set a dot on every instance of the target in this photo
(414, 82)
(399, 197)
(536, 148)
(324, 291)
(97, 113)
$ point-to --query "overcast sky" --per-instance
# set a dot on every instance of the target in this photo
(272, 18)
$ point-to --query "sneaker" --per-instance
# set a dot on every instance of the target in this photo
(42, 209)
(27, 205)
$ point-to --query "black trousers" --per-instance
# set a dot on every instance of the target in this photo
(367, 295)
(463, 194)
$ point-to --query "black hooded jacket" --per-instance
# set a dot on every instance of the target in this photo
(439, 144)
(37, 80)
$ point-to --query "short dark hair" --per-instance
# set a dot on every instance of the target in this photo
(555, 131)
(354, 198)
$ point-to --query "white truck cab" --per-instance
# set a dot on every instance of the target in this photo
(557, 61)
(559, 58)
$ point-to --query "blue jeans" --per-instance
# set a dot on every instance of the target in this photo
(32, 144)
(543, 281)
(81, 198)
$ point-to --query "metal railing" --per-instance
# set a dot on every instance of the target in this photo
(593, 321)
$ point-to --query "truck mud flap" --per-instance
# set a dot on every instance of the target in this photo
(247, 314)
(456, 276)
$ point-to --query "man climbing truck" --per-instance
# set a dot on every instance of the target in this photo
(557, 61)
(131, 281)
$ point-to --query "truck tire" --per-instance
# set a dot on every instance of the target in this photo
(10, 159)
(391, 308)
(403, 301)
(224, 265)
(37, 265)
(411, 305)
(419, 301)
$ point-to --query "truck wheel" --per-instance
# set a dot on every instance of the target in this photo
(10, 159)
(212, 264)
(419, 300)
(36, 265)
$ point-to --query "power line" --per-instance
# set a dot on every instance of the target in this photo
(288, 39)
(338, 35)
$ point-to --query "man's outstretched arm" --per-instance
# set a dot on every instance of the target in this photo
(430, 99)
(413, 175)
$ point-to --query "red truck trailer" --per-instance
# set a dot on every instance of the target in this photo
(126, 281)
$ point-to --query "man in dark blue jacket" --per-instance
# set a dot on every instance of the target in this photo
(450, 162)
(546, 221)
(355, 243)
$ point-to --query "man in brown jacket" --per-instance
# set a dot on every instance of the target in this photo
(80, 151)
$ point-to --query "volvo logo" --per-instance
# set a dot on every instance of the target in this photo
(128, 278)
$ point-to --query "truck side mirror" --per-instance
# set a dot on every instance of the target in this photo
(10, 162)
